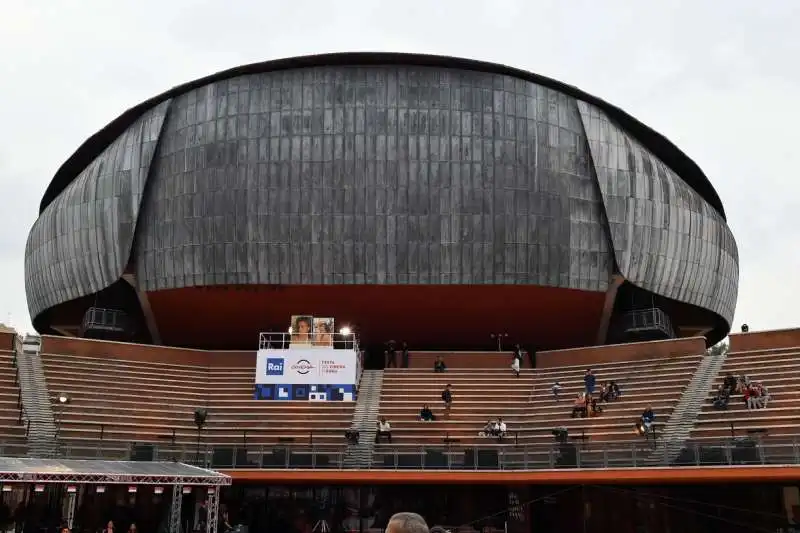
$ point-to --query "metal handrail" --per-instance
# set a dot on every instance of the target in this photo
(189, 433)
(104, 319)
(284, 340)
(18, 346)
(23, 414)
(526, 457)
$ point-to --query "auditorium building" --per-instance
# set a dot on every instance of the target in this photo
(444, 202)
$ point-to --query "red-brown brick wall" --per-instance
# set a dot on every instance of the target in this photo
(576, 356)
(622, 352)
(460, 359)
(7, 340)
(143, 352)
(765, 340)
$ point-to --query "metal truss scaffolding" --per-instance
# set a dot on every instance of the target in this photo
(175, 509)
(72, 497)
(212, 504)
(80, 472)
(33, 470)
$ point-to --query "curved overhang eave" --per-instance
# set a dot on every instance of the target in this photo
(659, 145)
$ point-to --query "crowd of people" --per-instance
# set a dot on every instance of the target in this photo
(588, 403)
(396, 355)
(384, 427)
(496, 428)
(753, 393)
(585, 406)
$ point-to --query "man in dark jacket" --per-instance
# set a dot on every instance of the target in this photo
(447, 398)
(589, 380)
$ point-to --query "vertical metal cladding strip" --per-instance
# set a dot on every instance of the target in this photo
(82, 241)
(373, 175)
(651, 211)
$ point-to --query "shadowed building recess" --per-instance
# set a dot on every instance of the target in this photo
(430, 199)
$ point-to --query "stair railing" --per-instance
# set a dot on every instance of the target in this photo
(23, 414)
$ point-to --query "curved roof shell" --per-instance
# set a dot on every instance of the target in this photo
(659, 145)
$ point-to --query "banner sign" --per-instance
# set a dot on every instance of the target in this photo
(312, 374)
(307, 330)
(306, 366)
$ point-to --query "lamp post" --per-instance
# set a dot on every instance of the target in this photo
(63, 401)
(499, 337)
(200, 417)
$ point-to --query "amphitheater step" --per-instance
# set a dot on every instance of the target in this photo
(684, 417)
(365, 419)
(37, 409)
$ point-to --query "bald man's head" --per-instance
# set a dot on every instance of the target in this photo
(407, 523)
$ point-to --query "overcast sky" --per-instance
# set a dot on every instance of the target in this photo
(719, 78)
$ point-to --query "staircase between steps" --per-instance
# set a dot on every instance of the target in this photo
(679, 426)
(365, 420)
(36, 404)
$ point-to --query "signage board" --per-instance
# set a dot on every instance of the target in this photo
(312, 374)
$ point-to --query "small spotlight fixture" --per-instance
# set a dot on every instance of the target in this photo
(745, 328)
(290, 331)
(63, 398)
(345, 331)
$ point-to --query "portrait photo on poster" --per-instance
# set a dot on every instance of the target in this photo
(323, 331)
(301, 329)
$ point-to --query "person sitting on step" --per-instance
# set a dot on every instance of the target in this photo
(426, 415)
(579, 407)
(384, 431)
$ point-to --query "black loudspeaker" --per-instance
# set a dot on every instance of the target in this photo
(222, 457)
(567, 456)
(242, 460)
(488, 459)
(483, 460)
(278, 458)
(435, 459)
(745, 452)
(300, 460)
(411, 461)
(142, 452)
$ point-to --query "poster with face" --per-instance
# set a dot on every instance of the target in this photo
(323, 331)
(301, 329)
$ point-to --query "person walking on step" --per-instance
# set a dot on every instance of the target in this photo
(404, 354)
(590, 381)
(516, 362)
(447, 398)
(390, 356)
